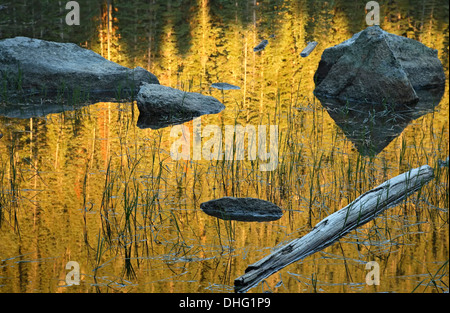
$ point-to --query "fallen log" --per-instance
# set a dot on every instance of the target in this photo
(365, 208)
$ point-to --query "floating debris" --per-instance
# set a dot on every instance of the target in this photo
(309, 48)
(225, 86)
(262, 45)
(440, 162)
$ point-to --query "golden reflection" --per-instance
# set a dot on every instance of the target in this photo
(89, 186)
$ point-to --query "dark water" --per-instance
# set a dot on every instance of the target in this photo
(88, 185)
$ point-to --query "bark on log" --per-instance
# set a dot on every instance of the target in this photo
(365, 208)
(309, 48)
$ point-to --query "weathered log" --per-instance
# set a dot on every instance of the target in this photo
(309, 48)
(365, 208)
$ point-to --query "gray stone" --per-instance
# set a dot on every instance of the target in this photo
(225, 86)
(167, 102)
(242, 209)
(375, 66)
(38, 66)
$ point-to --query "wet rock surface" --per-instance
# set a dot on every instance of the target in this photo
(375, 66)
(44, 68)
(162, 105)
(242, 209)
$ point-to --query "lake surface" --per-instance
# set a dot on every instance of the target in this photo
(90, 186)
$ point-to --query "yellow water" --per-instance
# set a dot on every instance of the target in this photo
(68, 179)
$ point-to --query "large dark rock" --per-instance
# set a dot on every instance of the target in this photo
(375, 66)
(33, 66)
(242, 209)
(160, 106)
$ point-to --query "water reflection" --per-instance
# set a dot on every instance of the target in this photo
(33, 110)
(30, 105)
(371, 128)
(157, 121)
(93, 188)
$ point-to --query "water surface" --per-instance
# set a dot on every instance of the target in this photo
(88, 185)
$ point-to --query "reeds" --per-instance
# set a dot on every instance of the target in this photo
(10, 181)
(147, 205)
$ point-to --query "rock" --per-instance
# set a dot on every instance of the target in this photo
(376, 66)
(44, 67)
(225, 86)
(166, 103)
(242, 209)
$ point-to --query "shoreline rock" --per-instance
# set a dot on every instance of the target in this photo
(166, 104)
(39, 68)
(375, 66)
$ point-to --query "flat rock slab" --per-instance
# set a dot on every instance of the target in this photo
(39, 66)
(242, 209)
(375, 66)
(168, 104)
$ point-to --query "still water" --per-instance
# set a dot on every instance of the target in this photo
(90, 186)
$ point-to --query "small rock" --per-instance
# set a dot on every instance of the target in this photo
(168, 102)
(242, 209)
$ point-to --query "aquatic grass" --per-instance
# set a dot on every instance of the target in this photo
(3, 197)
(106, 203)
(149, 203)
(4, 85)
(10, 180)
(438, 280)
(230, 233)
(84, 205)
(19, 78)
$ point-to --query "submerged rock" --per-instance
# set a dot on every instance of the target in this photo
(38, 67)
(375, 66)
(242, 209)
(167, 104)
